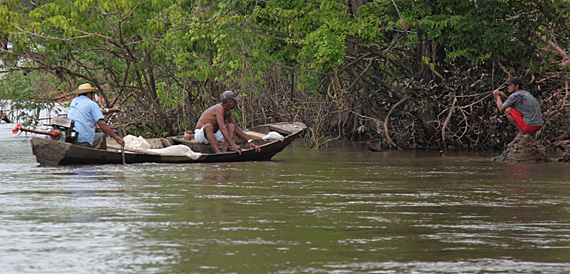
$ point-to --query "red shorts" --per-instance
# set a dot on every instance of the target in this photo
(517, 115)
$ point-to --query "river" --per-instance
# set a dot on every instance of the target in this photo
(340, 210)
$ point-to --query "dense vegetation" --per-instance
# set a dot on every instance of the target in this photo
(406, 74)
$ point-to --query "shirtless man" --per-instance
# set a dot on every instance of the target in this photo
(212, 126)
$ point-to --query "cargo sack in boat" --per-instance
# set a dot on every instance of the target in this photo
(178, 150)
(272, 136)
(134, 142)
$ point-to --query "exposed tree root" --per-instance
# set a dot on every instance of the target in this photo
(387, 119)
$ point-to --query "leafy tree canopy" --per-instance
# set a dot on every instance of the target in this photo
(168, 60)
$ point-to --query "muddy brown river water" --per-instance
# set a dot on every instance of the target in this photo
(340, 210)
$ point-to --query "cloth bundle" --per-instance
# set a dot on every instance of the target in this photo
(133, 142)
(272, 136)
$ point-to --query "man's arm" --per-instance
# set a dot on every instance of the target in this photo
(103, 125)
(242, 134)
(110, 110)
(499, 96)
(221, 119)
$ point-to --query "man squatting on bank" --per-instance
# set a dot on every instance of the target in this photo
(521, 108)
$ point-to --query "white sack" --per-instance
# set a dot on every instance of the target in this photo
(136, 142)
(177, 150)
(272, 136)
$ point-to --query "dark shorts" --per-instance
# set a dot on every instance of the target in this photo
(96, 142)
(517, 115)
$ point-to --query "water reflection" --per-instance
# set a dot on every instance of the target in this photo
(80, 192)
(213, 177)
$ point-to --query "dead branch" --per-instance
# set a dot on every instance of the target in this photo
(451, 110)
(561, 52)
(388, 117)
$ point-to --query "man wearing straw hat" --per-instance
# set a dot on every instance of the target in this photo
(85, 113)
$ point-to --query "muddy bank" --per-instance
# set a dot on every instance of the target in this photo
(524, 150)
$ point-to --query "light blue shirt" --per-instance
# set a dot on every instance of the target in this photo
(85, 113)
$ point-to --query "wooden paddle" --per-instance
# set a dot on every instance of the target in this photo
(119, 120)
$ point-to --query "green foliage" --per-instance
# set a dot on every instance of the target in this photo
(176, 56)
(476, 31)
(309, 34)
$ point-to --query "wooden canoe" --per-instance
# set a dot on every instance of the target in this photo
(50, 152)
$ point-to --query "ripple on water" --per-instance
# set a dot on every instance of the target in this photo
(470, 266)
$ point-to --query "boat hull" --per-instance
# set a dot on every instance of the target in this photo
(49, 152)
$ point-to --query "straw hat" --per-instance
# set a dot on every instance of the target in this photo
(85, 88)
